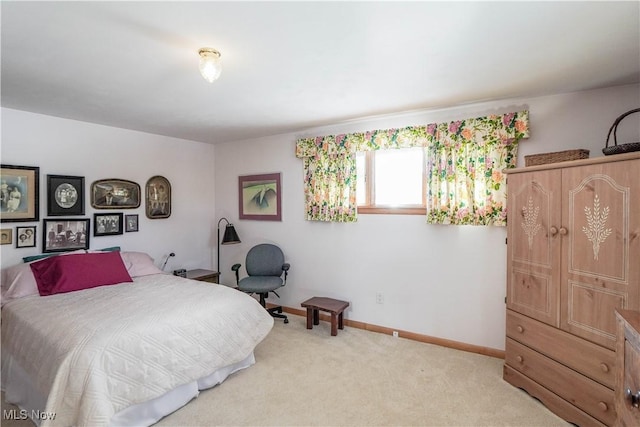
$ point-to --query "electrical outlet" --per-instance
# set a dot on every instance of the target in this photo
(395, 334)
(379, 298)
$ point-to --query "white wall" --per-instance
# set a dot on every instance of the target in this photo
(67, 147)
(442, 281)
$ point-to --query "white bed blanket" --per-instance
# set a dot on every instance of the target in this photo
(97, 351)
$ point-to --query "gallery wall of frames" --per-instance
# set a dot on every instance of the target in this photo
(66, 226)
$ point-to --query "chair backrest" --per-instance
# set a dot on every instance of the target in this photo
(265, 260)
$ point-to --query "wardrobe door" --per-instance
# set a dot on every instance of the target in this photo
(533, 250)
(601, 248)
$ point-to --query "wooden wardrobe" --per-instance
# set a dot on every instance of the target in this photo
(573, 251)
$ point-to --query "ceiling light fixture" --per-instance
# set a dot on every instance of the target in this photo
(210, 64)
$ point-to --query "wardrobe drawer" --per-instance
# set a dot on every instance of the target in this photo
(590, 396)
(592, 360)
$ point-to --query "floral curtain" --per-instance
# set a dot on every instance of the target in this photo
(464, 163)
(465, 160)
(330, 176)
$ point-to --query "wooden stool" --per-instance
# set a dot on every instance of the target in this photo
(333, 306)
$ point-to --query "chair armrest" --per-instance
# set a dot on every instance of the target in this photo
(236, 268)
(285, 268)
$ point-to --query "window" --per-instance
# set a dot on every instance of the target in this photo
(391, 181)
(454, 177)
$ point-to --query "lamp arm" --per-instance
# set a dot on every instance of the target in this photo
(218, 232)
(167, 260)
(223, 218)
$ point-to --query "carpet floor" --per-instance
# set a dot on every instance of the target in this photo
(359, 378)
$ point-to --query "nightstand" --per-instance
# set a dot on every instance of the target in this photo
(203, 275)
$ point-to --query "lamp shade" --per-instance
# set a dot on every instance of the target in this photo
(230, 235)
(210, 64)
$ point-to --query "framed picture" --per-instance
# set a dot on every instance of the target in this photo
(107, 224)
(131, 223)
(260, 197)
(26, 237)
(65, 234)
(115, 194)
(6, 236)
(19, 190)
(158, 197)
(65, 195)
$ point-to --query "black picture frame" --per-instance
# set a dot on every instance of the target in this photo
(115, 194)
(26, 236)
(107, 224)
(65, 195)
(131, 223)
(24, 182)
(158, 197)
(65, 234)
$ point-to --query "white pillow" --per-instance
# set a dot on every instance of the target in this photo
(139, 264)
(17, 282)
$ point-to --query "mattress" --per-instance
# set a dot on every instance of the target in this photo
(96, 352)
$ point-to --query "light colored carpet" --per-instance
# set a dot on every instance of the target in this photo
(360, 378)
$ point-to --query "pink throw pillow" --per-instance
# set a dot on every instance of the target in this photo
(17, 282)
(139, 264)
(76, 272)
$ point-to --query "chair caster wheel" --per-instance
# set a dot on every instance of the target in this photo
(286, 320)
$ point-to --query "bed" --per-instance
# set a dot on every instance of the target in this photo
(127, 352)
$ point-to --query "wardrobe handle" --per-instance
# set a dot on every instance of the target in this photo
(604, 367)
(520, 359)
(563, 231)
(553, 230)
(520, 329)
(634, 398)
(603, 406)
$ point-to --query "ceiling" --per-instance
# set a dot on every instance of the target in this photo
(290, 66)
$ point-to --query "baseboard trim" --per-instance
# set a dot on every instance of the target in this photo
(486, 351)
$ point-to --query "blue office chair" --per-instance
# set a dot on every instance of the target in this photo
(265, 267)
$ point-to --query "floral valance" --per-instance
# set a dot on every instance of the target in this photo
(465, 159)
(506, 128)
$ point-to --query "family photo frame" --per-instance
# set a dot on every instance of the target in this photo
(260, 197)
(26, 236)
(65, 195)
(65, 234)
(19, 193)
(107, 224)
(158, 198)
(6, 236)
(115, 194)
(131, 223)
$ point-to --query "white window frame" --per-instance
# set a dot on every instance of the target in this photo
(369, 207)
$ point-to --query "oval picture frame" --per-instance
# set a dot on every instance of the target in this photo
(158, 197)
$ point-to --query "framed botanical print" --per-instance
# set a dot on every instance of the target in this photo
(26, 237)
(259, 197)
(107, 224)
(19, 193)
(65, 234)
(158, 197)
(65, 195)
